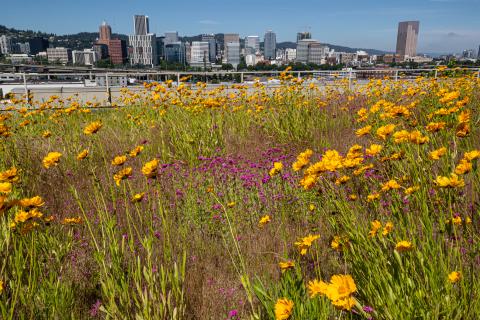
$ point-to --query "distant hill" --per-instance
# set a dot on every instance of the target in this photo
(82, 40)
(293, 45)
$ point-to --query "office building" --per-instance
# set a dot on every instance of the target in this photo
(20, 58)
(5, 45)
(232, 53)
(59, 55)
(252, 45)
(212, 46)
(23, 48)
(160, 48)
(290, 54)
(468, 54)
(87, 57)
(270, 45)
(171, 37)
(38, 44)
(310, 51)
(141, 25)
(407, 38)
(144, 49)
(200, 52)
(175, 52)
(105, 32)
(117, 51)
(230, 38)
(303, 36)
(101, 50)
(143, 43)
(116, 48)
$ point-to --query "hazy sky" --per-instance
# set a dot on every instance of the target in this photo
(445, 25)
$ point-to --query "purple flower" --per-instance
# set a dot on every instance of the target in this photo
(94, 309)
(367, 309)
(232, 313)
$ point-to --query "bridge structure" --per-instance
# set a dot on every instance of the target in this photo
(105, 86)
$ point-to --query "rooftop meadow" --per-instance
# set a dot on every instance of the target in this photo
(294, 202)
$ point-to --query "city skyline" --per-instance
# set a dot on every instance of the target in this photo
(447, 25)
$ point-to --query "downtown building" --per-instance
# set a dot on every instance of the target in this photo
(407, 38)
(6, 45)
(212, 46)
(252, 45)
(200, 54)
(310, 51)
(116, 49)
(59, 55)
(87, 57)
(304, 36)
(143, 43)
(38, 44)
(270, 45)
(231, 45)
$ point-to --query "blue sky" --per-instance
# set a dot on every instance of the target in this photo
(445, 25)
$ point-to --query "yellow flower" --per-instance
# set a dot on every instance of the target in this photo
(119, 160)
(77, 220)
(5, 187)
(138, 197)
(464, 116)
(338, 243)
(135, 152)
(1, 286)
(389, 185)
(463, 167)
(384, 131)
(363, 131)
(404, 246)
(52, 159)
(340, 290)
(23, 216)
(401, 136)
(316, 287)
(283, 309)
(373, 197)
(417, 138)
(452, 182)
(469, 156)
(374, 150)
(149, 169)
(10, 175)
(454, 276)
(342, 180)
(435, 126)
(437, 154)
(82, 155)
(311, 207)
(92, 128)
(306, 243)
(122, 174)
(31, 202)
(411, 190)
(286, 265)
(46, 134)
(376, 225)
(264, 220)
(231, 204)
(387, 229)
(277, 167)
(463, 129)
(303, 159)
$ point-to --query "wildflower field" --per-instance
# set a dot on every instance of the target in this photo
(297, 202)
